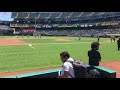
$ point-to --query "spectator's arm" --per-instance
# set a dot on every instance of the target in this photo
(88, 54)
(117, 42)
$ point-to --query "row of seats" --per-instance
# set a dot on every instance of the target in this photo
(57, 15)
(95, 32)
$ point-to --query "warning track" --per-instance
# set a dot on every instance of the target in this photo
(10, 41)
(114, 65)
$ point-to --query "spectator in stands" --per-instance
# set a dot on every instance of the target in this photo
(94, 55)
(67, 68)
(118, 43)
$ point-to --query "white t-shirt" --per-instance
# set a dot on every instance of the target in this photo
(67, 66)
(70, 59)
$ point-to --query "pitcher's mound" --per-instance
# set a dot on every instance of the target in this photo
(9, 41)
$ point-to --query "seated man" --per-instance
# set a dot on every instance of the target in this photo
(67, 68)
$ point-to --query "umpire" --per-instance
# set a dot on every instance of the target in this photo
(118, 44)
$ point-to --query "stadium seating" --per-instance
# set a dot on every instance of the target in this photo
(33, 15)
(22, 14)
(56, 15)
(44, 15)
(57, 23)
(63, 16)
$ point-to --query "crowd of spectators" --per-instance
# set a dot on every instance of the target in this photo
(91, 32)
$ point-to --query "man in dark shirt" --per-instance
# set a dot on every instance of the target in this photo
(98, 38)
(111, 39)
(114, 39)
(94, 55)
(118, 44)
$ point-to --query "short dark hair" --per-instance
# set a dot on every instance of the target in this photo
(65, 54)
(94, 45)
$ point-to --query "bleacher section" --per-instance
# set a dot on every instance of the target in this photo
(55, 15)
(57, 23)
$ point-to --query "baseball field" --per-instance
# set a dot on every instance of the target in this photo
(18, 54)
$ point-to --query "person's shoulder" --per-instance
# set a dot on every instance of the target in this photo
(97, 51)
(94, 51)
(66, 63)
(70, 59)
(89, 50)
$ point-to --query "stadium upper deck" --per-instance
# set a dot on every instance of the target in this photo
(63, 15)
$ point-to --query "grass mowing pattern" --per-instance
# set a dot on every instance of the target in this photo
(46, 52)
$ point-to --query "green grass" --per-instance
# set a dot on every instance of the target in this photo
(45, 53)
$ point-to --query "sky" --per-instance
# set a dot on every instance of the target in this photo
(6, 16)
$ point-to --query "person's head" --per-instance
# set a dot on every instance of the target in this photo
(64, 56)
(95, 46)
